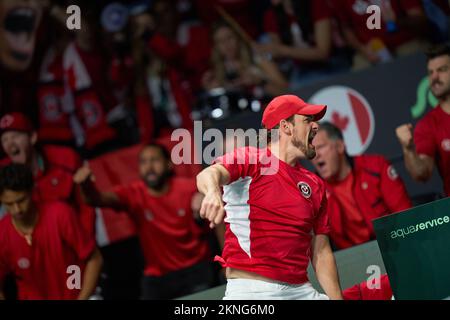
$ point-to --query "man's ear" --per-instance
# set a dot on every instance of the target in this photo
(33, 138)
(284, 126)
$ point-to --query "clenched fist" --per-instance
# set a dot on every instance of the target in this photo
(405, 135)
(212, 208)
(83, 174)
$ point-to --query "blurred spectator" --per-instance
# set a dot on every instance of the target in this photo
(245, 12)
(166, 71)
(359, 189)
(363, 291)
(429, 144)
(403, 23)
(235, 68)
(23, 37)
(52, 166)
(99, 58)
(58, 244)
(55, 119)
(301, 31)
(438, 14)
(164, 208)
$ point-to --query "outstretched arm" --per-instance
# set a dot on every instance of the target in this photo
(209, 183)
(324, 265)
(89, 192)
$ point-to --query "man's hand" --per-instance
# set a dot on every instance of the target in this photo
(405, 136)
(212, 208)
(83, 174)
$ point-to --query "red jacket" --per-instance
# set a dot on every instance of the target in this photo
(363, 292)
(377, 190)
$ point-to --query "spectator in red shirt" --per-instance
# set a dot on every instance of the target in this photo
(403, 23)
(52, 166)
(359, 189)
(175, 249)
(41, 244)
(429, 144)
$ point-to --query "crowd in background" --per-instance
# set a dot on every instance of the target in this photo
(137, 70)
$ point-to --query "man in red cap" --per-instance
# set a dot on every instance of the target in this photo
(276, 217)
(52, 166)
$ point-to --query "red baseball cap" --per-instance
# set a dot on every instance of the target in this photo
(15, 121)
(282, 107)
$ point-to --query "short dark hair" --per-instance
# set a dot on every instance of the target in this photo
(164, 151)
(333, 132)
(16, 177)
(438, 50)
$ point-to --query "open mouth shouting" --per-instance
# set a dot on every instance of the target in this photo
(16, 154)
(311, 136)
(18, 27)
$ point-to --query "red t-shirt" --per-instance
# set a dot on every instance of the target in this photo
(169, 236)
(355, 230)
(41, 269)
(272, 212)
(353, 14)
(432, 138)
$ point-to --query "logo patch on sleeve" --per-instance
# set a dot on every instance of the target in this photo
(305, 189)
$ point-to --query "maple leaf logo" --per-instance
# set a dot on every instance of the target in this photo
(339, 121)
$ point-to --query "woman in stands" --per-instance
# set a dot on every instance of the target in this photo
(234, 67)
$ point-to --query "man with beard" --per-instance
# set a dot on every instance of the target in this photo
(430, 142)
(163, 206)
(359, 189)
(276, 211)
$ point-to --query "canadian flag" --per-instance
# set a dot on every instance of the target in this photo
(348, 110)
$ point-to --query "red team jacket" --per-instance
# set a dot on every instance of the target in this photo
(377, 190)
